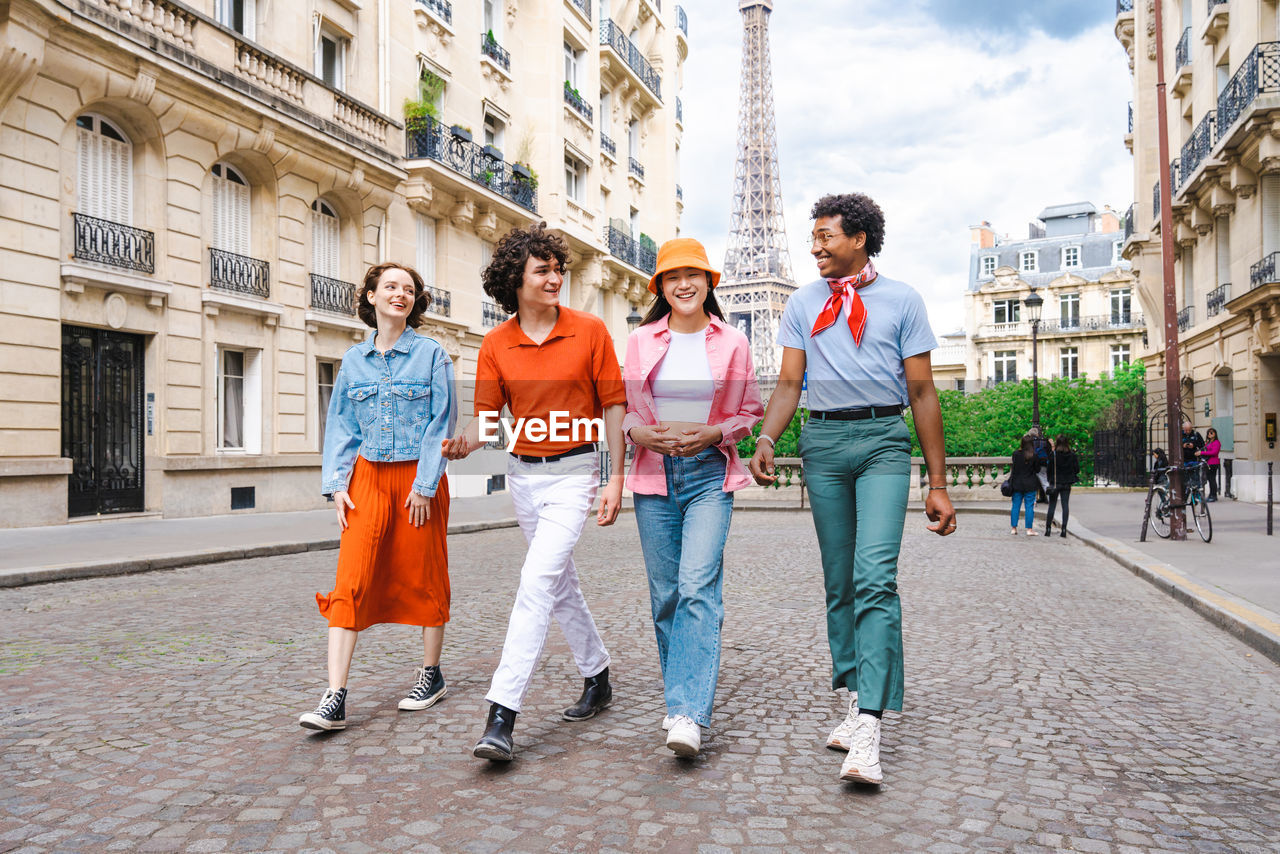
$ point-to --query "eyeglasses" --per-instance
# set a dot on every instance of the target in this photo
(823, 238)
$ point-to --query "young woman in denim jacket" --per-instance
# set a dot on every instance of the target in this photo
(691, 395)
(391, 409)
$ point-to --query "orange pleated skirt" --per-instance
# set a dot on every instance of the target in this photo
(388, 570)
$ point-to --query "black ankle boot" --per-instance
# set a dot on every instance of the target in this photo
(496, 744)
(596, 694)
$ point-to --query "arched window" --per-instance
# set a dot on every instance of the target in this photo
(324, 240)
(104, 170)
(230, 210)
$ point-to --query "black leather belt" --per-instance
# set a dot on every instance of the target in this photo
(859, 414)
(572, 452)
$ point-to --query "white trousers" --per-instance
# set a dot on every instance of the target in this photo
(551, 501)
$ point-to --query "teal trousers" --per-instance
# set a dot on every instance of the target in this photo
(859, 474)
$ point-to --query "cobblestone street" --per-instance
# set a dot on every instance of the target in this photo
(1054, 702)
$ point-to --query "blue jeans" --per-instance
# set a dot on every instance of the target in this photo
(1027, 500)
(682, 535)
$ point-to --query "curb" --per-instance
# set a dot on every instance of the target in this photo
(98, 569)
(1256, 626)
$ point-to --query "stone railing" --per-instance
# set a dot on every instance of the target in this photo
(364, 121)
(168, 21)
(967, 478)
(270, 73)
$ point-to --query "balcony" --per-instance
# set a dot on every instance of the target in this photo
(442, 9)
(1091, 323)
(624, 248)
(1196, 149)
(1131, 117)
(1182, 53)
(1259, 73)
(491, 315)
(114, 244)
(1128, 222)
(489, 47)
(634, 167)
(1014, 329)
(679, 193)
(239, 274)
(1215, 24)
(1155, 205)
(583, 6)
(679, 111)
(1217, 300)
(1186, 318)
(608, 146)
(439, 301)
(430, 139)
(576, 101)
(332, 295)
(682, 21)
(1124, 6)
(1263, 272)
(611, 35)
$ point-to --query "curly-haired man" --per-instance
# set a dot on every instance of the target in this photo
(864, 341)
(551, 367)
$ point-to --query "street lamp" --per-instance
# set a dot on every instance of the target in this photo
(633, 319)
(1034, 303)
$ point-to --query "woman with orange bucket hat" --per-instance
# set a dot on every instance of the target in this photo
(691, 395)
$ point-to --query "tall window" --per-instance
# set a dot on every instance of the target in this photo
(988, 265)
(230, 210)
(1029, 262)
(1006, 310)
(1223, 241)
(1120, 305)
(633, 139)
(1188, 277)
(1069, 362)
(1070, 257)
(1069, 310)
(1004, 365)
(240, 400)
(606, 103)
(1117, 254)
(492, 10)
(1271, 208)
(426, 258)
(495, 131)
(325, 260)
(565, 292)
(1119, 355)
(239, 15)
(572, 64)
(431, 88)
(331, 55)
(104, 160)
(325, 373)
(575, 178)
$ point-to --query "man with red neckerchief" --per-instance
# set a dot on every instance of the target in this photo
(864, 341)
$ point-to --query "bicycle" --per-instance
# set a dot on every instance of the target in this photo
(1193, 489)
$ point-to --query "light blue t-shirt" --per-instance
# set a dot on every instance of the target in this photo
(843, 375)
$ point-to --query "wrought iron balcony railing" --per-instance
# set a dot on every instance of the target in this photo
(634, 167)
(1217, 300)
(608, 146)
(1128, 222)
(1155, 203)
(1175, 175)
(1092, 323)
(575, 100)
(679, 192)
(1264, 271)
(1183, 52)
(682, 20)
(622, 247)
(679, 110)
(440, 301)
(332, 295)
(239, 274)
(1186, 318)
(442, 9)
(491, 315)
(430, 139)
(613, 36)
(119, 245)
(1131, 117)
(490, 48)
(584, 6)
(1197, 147)
(1213, 3)
(1123, 6)
(1258, 73)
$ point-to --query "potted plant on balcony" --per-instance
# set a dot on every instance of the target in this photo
(524, 172)
(489, 39)
(493, 152)
(418, 115)
(646, 242)
(486, 177)
(461, 132)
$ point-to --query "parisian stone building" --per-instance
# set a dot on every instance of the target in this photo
(190, 191)
(1090, 322)
(1222, 70)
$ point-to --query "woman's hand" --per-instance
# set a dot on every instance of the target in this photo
(690, 443)
(343, 503)
(657, 439)
(419, 509)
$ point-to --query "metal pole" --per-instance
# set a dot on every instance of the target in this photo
(1270, 505)
(1172, 377)
(1035, 377)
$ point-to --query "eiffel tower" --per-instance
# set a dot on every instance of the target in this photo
(757, 266)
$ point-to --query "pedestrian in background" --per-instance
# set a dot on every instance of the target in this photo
(1043, 449)
(391, 409)
(1210, 454)
(691, 395)
(1064, 470)
(1024, 479)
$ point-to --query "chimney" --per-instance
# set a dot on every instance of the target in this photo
(982, 235)
(1108, 220)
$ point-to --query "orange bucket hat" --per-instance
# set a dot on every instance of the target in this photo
(682, 252)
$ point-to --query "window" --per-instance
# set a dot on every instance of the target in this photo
(325, 373)
(431, 88)
(575, 178)
(1069, 310)
(1069, 362)
(572, 64)
(633, 139)
(1271, 208)
(325, 260)
(1117, 253)
(331, 50)
(495, 131)
(493, 18)
(1119, 355)
(240, 401)
(633, 223)
(604, 202)
(1006, 311)
(1070, 257)
(426, 258)
(988, 265)
(960, 384)
(1188, 277)
(606, 102)
(1029, 262)
(104, 160)
(230, 210)
(239, 15)
(1120, 305)
(564, 288)
(1223, 250)
(1005, 366)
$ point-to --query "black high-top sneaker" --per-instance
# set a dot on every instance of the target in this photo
(596, 694)
(429, 688)
(330, 714)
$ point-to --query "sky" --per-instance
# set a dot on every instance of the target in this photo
(946, 112)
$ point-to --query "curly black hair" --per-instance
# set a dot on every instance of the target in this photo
(505, 273)
(857, 212)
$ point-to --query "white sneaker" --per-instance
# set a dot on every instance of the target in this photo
(685, 737)
(862, 765)
(667, 721)
(842, 736)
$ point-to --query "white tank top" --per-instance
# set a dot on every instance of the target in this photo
(682, 385)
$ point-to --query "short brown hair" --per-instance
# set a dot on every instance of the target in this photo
(505, 273)
(420, 298)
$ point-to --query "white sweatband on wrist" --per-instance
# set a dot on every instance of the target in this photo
(765, 437)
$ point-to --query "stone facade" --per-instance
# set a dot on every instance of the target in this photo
(189, 191)
(1221, 63)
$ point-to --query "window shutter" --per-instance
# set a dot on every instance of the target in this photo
(1270, 214)
(238, 217)
(119, 180)
(324, 245)
(427, 249)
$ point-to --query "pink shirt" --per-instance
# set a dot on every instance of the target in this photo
(735, 407)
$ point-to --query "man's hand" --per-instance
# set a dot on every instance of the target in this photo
(419, 509)
(939, 510)
(341, 498)
(657, 439)
(761, 464)
(610, 502)
(690, 443)
(456, 448)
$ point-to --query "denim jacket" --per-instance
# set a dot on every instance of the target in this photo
(389, 408)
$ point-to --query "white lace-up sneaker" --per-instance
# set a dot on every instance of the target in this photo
(685, 737)
(842, 736)
(862, 765)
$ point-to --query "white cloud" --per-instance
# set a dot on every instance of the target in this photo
(942, 128)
